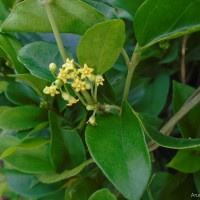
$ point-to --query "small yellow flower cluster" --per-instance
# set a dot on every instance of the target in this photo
(80, 79)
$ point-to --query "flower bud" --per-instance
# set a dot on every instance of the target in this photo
(88, 86)
(66, 96)
(90, 107)
(92, 120)
(59, 83)
(92, 77)
(52, 67)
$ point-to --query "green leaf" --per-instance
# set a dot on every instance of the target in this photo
(34, 82)
(108, 11)
(58, 153)
(197, 180)
(188, 125)
(38, 65)
(69, 14)
(179, 186)
(3, 109)
(53, 177)
(31, 160)
(24, 94)
(29, 143)
(127, 5)
(158, 182)
(106, 93)
(104, 194)
(186, 161)
(149, 95)
(27, 185)
(3, 86)
(11, 45)
(101, 45)
(130, 170)
(66, 149)
(7, 141)
(84, 188)
(168, 141)
(22, 117)
(151, 27)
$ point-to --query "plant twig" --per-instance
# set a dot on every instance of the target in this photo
(166, 129)
(131, 68)
(55, 31)
(183, 65)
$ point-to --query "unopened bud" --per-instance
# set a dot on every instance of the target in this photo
(92, 77)
(92, 120)
(90, 107)
(88, 85)
(66, 96)
(59, 83)
(52, 67)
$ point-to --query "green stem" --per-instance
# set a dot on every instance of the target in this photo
(127, 60)
(55, 31)
(166, 129)
(81, 99)
(131, 68)
(95, 92)
(88, 97)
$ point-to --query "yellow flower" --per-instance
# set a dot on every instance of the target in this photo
(72, 101)
(52, 90)
(63, 75)
(85, 71)
(74, 74)
(69, 65)
(99, 80)
(92, 120)
(78, 85)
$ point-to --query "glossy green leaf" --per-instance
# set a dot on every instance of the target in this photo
(149, 95)
(67, 142)
(168, 141)
(9, 3)
(188, 125)
(179, 186)
(11, 45)
(130, 170)
(34, 82)
(101, 45)
(31, 160)
(53, 177)
(60, 161)
(22, 117)
(157, 184)
(3, 109)
(108, 11)
(106, 93)
(186, 161)
(27, 185)
(150, 26)
(29, 143)
(84, 188)
(104, 194)
(128, 5)
(3, 86)
(7, 141)
(30, 56)
(72, 16)
(23, 96)
(197, 180)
